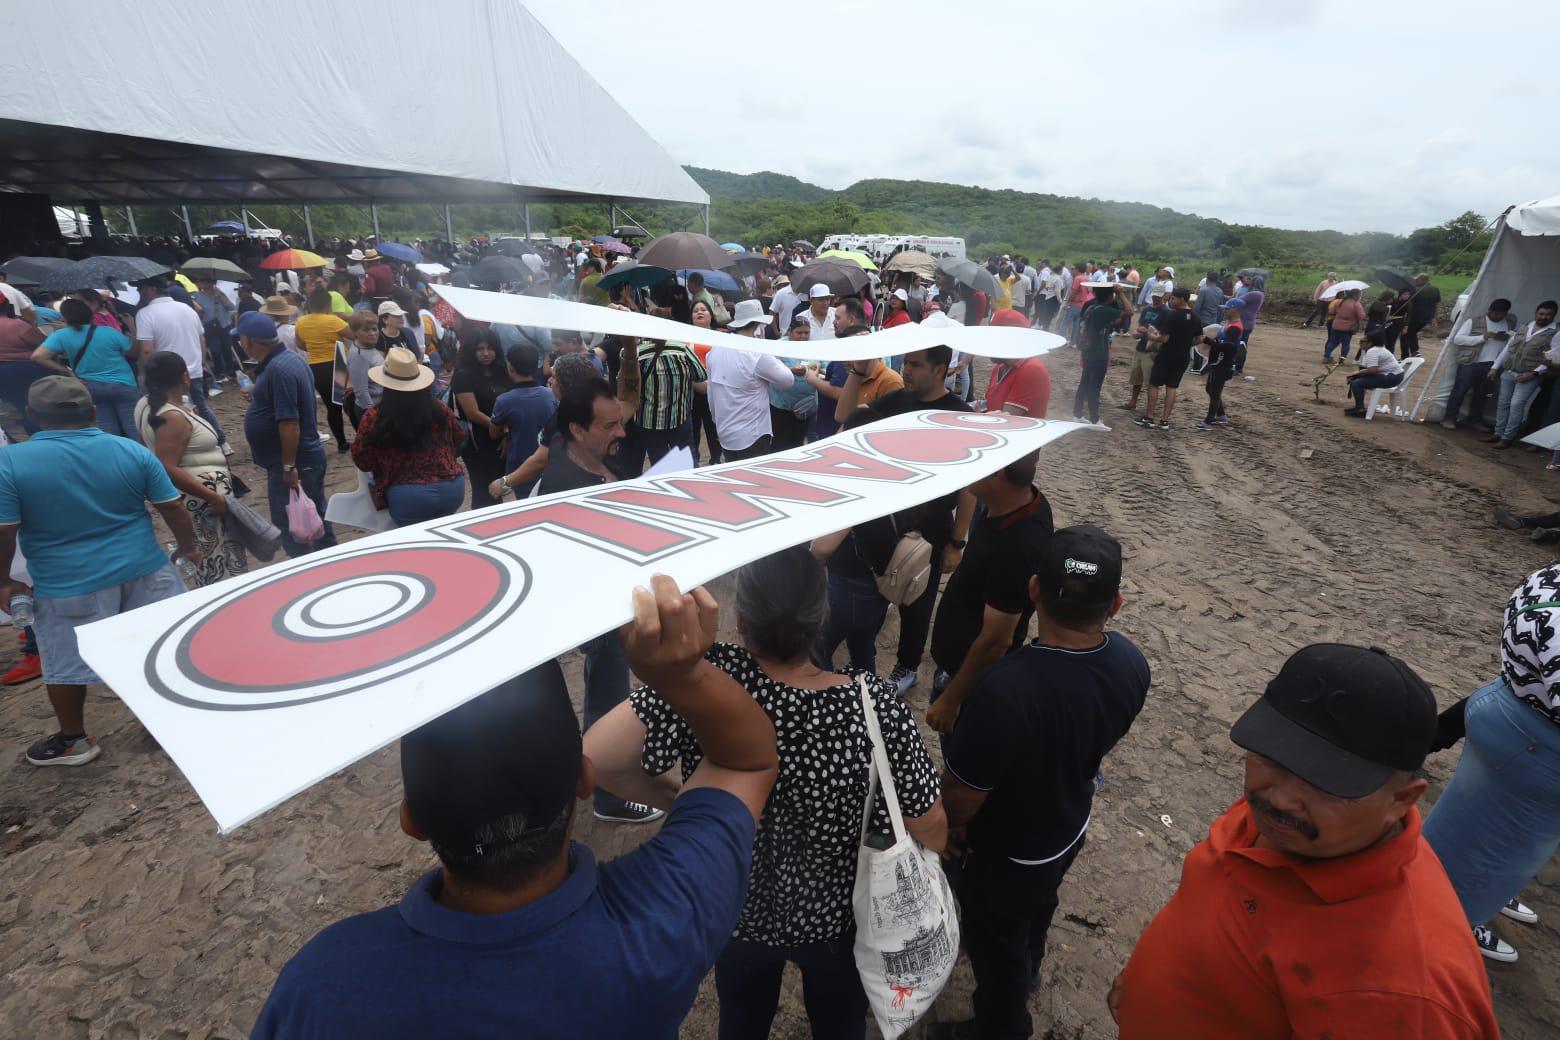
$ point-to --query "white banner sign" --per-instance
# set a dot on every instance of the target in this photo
(992, 341)
(264, 684)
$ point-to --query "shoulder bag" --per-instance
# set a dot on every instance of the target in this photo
(909, 567)
(907, 930)
(75, 361)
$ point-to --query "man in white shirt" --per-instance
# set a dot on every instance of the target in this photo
(1478, 342)
(739, 382)
(819, 315)
(784, 304)
(18, 301)
(164, 323)
(1379, 367)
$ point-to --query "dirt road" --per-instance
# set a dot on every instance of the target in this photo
(124, 914)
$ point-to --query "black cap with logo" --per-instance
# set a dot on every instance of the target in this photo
(1342, 718)
(513, 751)
(1080, 570)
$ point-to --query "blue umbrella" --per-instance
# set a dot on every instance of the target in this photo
(227, 225)
(718, 280)
(735, 247)
(400, 251)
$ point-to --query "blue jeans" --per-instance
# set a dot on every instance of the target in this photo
(198, 401)
(115, 407)
(414, 503)
(606, 686)
(311, 478)
(1512, 406)
(16, 378)
(1359, 385)
(747, 981)
(1070, 322)
(1342, 340)
(1086, 401)
(1471, 379)
(1498, 821)
(856, 613)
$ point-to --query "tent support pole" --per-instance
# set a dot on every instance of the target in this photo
(308, 224)
(527, 207)
(449, 226)
(373, 216)
(243, 214)
(95, 225)
(706, 218)
(189, 232)
(130, 219)
(611, 215)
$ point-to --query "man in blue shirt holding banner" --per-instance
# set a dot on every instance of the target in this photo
(520, 932)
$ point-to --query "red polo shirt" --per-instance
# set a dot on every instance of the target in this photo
(1025, 383)
(1256, 944)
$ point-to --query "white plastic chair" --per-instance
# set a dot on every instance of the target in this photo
(1395, 393)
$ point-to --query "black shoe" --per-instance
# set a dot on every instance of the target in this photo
(1508, 519)
(630, 812)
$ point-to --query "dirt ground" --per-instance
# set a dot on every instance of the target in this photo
(125, 914)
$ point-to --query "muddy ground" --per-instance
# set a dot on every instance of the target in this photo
(124, 914)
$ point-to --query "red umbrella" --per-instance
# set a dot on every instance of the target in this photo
(292, 260)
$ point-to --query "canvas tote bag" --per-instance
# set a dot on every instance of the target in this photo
(907, 930)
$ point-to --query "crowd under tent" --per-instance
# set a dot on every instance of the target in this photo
(471, 101)
(1522, 264)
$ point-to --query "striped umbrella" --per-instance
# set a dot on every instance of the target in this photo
(292, 260)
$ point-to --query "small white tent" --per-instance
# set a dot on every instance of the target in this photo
(1522, 264)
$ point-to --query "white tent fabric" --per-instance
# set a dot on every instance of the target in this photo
(460, 100)
(1522, 264)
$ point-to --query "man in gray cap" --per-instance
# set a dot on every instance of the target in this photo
(75, 497)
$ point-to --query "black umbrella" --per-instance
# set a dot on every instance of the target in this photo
(32, 270)
(841, 276)
(682, 250)
(99, 271)
(1253, 272)
(802, 243)
(515, 247)
(216, 267)
(498, 270)
(635, 274)
(1394, 279)
(750, 263)
(968, 272)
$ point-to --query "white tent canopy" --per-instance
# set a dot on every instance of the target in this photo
(1522, 264)
(296, 101)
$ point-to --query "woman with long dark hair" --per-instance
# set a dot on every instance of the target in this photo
(99, 357)
(480, 376)
(701, 315)
(408, 441)
(187, 447)
(798, 904)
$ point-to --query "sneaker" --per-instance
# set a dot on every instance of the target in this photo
(1249, 379)
(1080, 419)
(227, 450)
(26, 670)
(1540, 535)
(1508, 519)
(1202, 426)
(1447, 424)
(630, 812)
(1145, 422)
(1493, 947)
(1100, 426)
(324, 438)
(1222, 420)
(1517, 912)
(215, 391)
(1164, 424)
(902, 678)
(57, 751)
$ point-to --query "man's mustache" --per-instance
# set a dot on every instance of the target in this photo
(1266, 808)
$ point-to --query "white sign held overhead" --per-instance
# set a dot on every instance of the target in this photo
(261, 685)
(992, 341)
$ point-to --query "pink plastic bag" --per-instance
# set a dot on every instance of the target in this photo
(303, 520)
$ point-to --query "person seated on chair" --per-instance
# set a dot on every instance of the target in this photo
(1379, 368)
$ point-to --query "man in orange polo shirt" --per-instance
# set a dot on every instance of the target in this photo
(1314, 908)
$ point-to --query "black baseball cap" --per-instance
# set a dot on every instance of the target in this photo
(1080, 570)
(1342, 718)
(512, 751)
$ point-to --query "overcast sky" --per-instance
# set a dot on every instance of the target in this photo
(1294, 113)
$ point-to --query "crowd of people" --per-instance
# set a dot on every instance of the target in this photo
(1316, 899)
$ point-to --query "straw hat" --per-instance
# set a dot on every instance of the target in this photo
(370, 256)
(278, 307)
(401, 371)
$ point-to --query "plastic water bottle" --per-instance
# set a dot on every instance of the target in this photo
(21, 609)
(182, 564)
(244, 382)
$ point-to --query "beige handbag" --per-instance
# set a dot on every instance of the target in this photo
(909, 568)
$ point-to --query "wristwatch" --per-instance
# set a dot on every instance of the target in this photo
(958, 543)
(289, 469)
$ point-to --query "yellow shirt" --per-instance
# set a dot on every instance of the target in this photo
(339, 304)
(1004, 297)
(318, 333)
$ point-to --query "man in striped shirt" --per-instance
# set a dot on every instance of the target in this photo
(672, 374)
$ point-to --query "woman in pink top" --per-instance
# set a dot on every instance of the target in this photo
(1346, 321)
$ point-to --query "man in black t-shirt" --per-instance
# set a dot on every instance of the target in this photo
(1422, 311)
(1175, 332)
(944, 522)
(1021, 767)
(985, 610)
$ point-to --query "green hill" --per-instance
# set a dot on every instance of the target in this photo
(745, 187)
